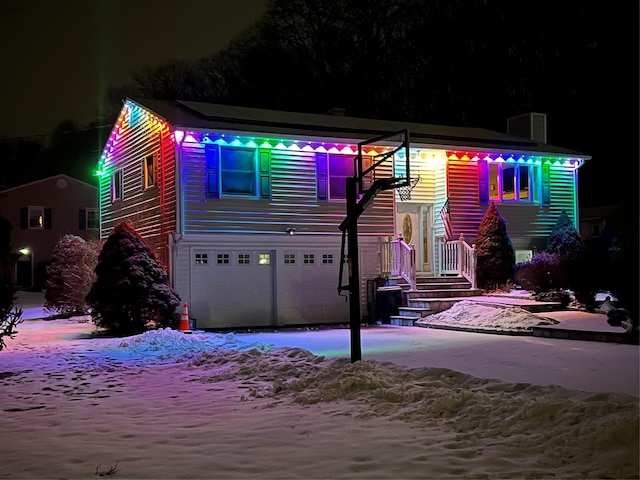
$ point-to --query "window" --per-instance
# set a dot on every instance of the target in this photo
(237, 172)
(88, 219)
(308, 259)
(264, 259)
(223, 259)
(148, 172)
(289, 258)
(117, 185)
(36, 218)
(244, 259)
(513, 182)
(202, 259)
(332, 171)
(327, 258)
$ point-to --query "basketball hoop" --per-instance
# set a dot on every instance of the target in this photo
(404, 192)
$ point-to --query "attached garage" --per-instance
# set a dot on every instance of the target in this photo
(259, 287)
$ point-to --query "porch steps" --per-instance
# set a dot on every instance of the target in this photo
(431, 295)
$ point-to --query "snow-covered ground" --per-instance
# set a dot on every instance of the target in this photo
(166, 404)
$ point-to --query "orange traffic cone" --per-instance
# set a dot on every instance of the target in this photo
(183, 326)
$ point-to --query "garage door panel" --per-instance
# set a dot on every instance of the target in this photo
(234, 290)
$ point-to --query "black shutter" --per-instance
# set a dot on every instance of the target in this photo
(321, 176)
(212, 158)
(264, 157)
(82, 219)
(47, 219)
(24, 217)
(546, 184)
(483, 182)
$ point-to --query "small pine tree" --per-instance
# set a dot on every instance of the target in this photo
(495, 254)
(131, 290)
(565, 240)
(70, 274)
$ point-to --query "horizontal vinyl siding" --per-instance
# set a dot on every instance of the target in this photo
(466, 212)
(528, 225)
(151, 211)
(293, 201)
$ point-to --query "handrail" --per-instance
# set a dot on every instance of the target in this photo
(399, 259)
(457, 257)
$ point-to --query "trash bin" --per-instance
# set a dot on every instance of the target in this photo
(388, 299)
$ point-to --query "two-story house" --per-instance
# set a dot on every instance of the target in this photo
(244, 205)
(40, 213)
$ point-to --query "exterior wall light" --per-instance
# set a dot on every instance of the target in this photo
(290, 230)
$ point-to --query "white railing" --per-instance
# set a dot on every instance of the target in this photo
(399, 259)
(457, 257)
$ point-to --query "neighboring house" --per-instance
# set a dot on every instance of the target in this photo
(40, 213)
(610, 221)
(243, 205)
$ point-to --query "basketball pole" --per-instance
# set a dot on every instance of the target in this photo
(354, 270)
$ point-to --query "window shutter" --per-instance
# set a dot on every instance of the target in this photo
(483, 182)
(546, 184)
(82, 219)
(212, 158)
(264, 157)
(24, 217)
(321, 176)
(47, 219)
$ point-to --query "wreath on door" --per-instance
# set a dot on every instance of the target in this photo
(407, 229)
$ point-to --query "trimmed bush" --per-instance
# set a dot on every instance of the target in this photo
(131, 292)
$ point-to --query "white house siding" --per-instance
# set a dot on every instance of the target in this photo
(528, 225)
(430, 167)
(152, 211)
(220, 297)
(293, 201)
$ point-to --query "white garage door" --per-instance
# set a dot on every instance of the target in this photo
(231, 289)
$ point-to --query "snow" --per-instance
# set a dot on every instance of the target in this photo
(165, 404)
(468, 314)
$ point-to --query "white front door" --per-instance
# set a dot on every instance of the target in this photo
(413, 222)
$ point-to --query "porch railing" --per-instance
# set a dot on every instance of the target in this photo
(457, 257)
(399, 259)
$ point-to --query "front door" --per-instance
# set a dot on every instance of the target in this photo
(413, 222)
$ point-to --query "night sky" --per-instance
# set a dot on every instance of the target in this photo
(59, 57)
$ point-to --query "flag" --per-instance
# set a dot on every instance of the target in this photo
(445, 215)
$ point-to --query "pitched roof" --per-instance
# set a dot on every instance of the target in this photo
(215, 117)
(47, 179)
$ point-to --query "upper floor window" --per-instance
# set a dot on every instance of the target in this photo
(117, 185)
(36, 218)
(514, 182)
(149, 171)
(237, 172)
(332, 171)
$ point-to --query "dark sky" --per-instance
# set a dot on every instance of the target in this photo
(60, 56)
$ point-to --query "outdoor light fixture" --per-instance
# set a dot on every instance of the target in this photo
(28, 252)
(290, 230)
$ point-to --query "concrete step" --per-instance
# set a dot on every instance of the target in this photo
(402, 321)
(417, 312)
(443, 293)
